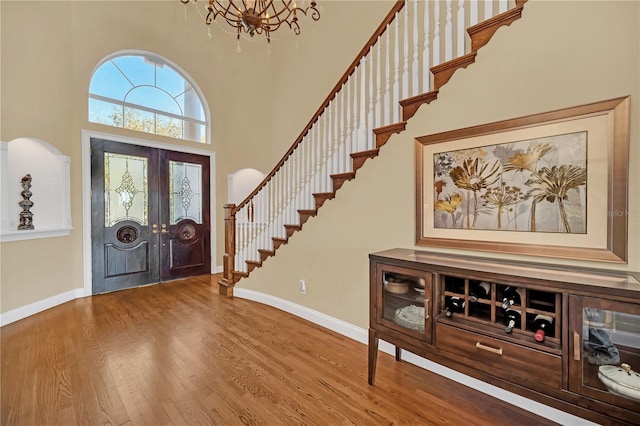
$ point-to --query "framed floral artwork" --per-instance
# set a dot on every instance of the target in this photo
(551, 184)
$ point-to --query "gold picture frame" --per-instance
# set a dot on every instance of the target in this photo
(553, 184)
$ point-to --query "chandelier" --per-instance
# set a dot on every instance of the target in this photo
(259, 16)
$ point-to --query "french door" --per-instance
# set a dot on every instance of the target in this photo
(149, 215)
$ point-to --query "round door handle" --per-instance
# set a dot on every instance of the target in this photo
(154, 229)
(164, 229)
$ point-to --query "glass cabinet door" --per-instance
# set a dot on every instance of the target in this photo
(404, 297)
(605, 350)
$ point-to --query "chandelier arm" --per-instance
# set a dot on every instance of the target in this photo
(258, 16)
(225, 12)
(286, 9)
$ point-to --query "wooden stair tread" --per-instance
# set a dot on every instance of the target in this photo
(384, 133)
(444, 71)
(339, 179)
(482, 32)
(306, 214)
(410, 105)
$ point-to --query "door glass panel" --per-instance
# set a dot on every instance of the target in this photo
(403, 300)
(126, 189)
(185, 191)
(611, 352)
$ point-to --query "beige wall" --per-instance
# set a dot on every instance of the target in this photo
(49, 50)
(560, 54)
(306, 70)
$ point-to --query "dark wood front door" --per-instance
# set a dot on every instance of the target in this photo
(150, 215)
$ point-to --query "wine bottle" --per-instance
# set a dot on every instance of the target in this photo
(542, 325)
(512, 319)
(479, 290)
(453, 304)
(510, 296)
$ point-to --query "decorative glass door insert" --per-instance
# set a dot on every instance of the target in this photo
(126, 189)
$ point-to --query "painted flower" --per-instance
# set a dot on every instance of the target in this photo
(443, 163)
(552, 185)
(528, 160)
(449, 206)
(439, 187)
(475, 176)
(501, 197)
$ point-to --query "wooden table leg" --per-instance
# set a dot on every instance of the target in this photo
(398, 353)
(373, 355)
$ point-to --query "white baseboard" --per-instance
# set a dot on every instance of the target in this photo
(44, 304)
(361, 335)
(39, 306)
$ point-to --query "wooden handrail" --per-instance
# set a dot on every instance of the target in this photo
(363, 52)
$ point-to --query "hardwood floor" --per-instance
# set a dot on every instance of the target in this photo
(180, 354)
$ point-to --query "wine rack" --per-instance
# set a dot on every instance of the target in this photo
(487, 310)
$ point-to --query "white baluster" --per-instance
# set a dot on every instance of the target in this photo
(317, 179)
(286, 174)
(405, 54)
(371, 95)
(348, 136)
(312, 164)
(270, 211)
(356, 110)
(396, 74)
(436, 34)
(315, 159)
(473, 12)
(461, 29)
(448, 34)
(426, 52)
(342, 135)
(378, 122)
(503, 5)
(488, 9)
(326, 143)
(336, 140)
(415, 66)
(387, 87)
(281, 195)
(362, 128)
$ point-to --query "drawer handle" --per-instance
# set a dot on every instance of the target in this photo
(489, 348)
(577, 346)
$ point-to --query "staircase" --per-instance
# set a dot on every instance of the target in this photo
(410, 56)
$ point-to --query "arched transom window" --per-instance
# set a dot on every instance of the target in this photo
(145, 93)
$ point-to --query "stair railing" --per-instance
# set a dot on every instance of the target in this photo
(393, 65)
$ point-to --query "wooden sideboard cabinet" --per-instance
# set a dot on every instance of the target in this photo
(559, 335)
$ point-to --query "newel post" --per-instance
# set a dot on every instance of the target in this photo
(225, 285)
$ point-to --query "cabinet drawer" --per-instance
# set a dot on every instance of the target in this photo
(500, 358)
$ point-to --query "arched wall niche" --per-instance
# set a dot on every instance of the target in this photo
(241, 183)
(49, 171)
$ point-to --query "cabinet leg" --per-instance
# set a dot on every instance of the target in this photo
(398, 353)
(373, 355)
